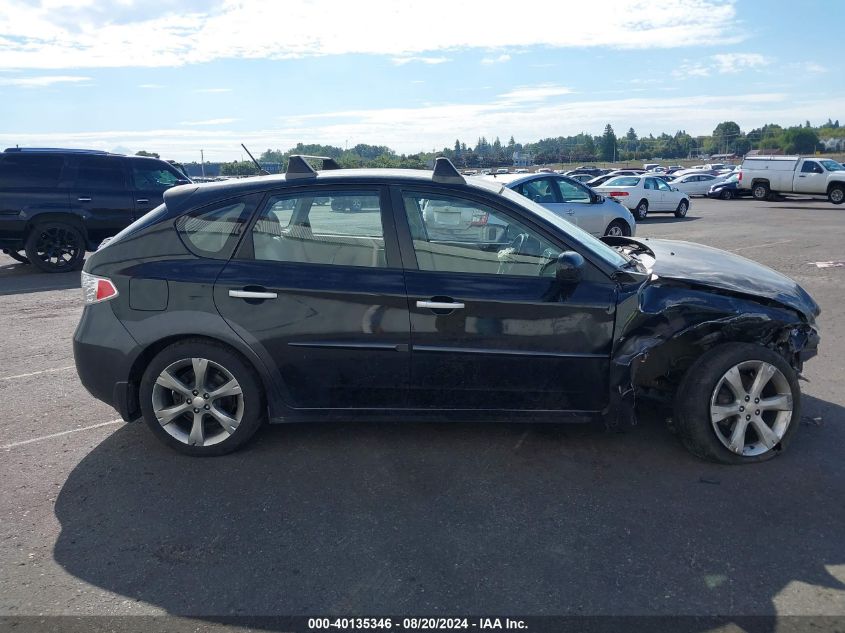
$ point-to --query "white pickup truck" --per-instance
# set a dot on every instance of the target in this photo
(766, 175)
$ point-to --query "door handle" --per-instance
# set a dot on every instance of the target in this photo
(142, 201)
(84, 199)
(802, 176)
(252, 294)
(440, 305)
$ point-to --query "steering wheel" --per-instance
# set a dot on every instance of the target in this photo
(507, 256)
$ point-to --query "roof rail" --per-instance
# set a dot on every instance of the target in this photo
(445, 172)
(54, 149)
(298, 167)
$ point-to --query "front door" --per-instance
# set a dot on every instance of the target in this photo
(150, 179)
(317, 289)
(491, 327)
(811, 179)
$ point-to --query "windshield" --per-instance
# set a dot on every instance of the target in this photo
(732, 178)
(580, 236)
(832, 165)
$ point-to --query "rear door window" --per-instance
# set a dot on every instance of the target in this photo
(30, 171)
(214, 231)
(342, 228)
(100, 173)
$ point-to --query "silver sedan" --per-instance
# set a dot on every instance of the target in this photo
(573, 201)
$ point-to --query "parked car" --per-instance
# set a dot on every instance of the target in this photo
(599, 180)
(695, 184)
(55, 204)
(581, 177)
(220, 310)
(765, 175)
(574, 202)
(728, 189)
(644, 194)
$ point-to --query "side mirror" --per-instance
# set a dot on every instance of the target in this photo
(597, 198)
(182, 181)
(570, 266)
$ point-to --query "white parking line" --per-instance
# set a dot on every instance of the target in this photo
(54, 435)
(745, 248)
(36, 373)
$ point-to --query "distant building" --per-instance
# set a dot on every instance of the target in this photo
(717, 157)
(765, 152)
(834, 145)
(523, 159)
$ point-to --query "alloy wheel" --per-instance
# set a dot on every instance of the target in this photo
(751, 408)
(197, 401)
(57, 246)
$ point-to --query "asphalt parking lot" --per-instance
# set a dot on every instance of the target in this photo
(98, 518)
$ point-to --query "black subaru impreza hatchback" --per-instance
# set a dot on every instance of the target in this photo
(411, 295)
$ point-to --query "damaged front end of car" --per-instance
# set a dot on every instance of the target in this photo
(665, 323)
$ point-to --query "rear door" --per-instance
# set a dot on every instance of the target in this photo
(317, 289)
(150, 178)
(577, 199)
(491, 327)
(100, 194)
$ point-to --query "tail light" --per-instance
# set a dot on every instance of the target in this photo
(479, 218)
(97, 289)
(739, 177)
(615, 194)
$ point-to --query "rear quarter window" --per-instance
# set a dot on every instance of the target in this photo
(214, 231)
(30, 171)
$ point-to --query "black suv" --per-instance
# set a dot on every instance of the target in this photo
(237, 302)
(57, 203)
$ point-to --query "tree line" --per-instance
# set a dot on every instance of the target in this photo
(726, 138)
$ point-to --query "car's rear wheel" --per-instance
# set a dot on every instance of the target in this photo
(55, 247)
(738, 403)
(201, 398)
(726, 194)
(761, 191)
(836, 194)
(18, 256)
(683, 207)
(642, 210)
(618, 228)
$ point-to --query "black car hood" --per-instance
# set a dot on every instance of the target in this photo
(705, 266)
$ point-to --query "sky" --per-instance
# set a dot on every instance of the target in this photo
(180, 76)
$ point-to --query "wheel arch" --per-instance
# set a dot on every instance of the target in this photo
(54, 216)
(835, 183)
(150, 350)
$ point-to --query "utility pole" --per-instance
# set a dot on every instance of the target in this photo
(202, 163)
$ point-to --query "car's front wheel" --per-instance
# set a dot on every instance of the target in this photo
(836, 194)
(683, 207)
(201, 398)
(738, 403)
(618, 228)
(726, 194)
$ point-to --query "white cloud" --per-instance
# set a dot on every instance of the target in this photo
(72, 35)
(401, 61)
(810, 68)
(722, 63)
(525, 94)
(501, 59)
(209, 122)
(737, 62)
(42, 81)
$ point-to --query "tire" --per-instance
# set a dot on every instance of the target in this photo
(683, 207)
(18, 256)
(641, 211)
(55, 247)
(836, 195)
(242, 411)
(705, 386)
(761, 191)
(726, 194)
(618, 228)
